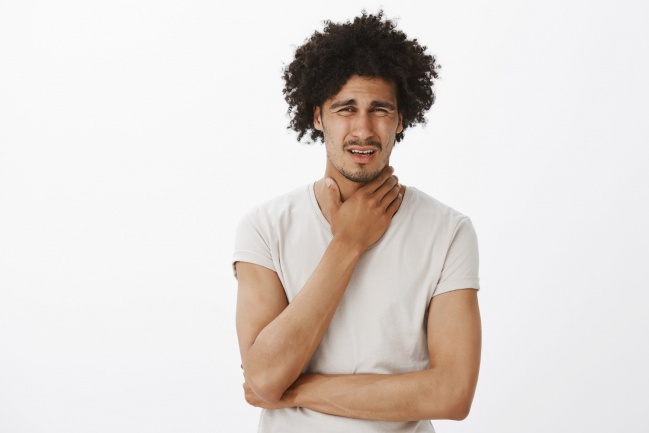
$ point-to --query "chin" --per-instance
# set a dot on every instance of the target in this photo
(360, 176)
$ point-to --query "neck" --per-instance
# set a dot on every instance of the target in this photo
(323, 196)
(346, 186)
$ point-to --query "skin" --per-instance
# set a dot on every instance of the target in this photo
(364, 112)
(358, 196)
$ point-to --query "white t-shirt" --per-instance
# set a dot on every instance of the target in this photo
(380, 324)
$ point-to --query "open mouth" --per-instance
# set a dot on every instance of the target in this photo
(362, 152)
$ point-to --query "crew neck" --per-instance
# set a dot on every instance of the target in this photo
(325, 224)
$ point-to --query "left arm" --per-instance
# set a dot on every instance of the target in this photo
(443, 391)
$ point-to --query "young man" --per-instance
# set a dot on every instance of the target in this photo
(357, 306)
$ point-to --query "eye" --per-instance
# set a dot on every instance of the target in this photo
(346, 110)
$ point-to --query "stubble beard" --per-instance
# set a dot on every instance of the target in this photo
(361, 175)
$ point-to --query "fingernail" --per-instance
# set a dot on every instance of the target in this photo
(328, 182)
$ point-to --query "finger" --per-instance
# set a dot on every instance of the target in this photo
(387, 186)
(390, 195)
(334, 191)
(372, 186)
(393, 207)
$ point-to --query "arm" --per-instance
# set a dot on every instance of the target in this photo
(444, 391)
(277, 339)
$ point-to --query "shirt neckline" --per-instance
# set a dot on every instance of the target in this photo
(325, 224)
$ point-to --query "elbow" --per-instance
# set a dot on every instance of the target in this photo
(268, 381)
(452, 409)
(453, 406)
(266, 389)
(457, 393)
(460, 406)
(268, 395)
(460, 412)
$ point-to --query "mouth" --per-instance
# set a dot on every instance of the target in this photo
(362, 155)
(361, 152)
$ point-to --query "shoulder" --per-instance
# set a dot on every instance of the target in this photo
(425, 207)
(280, 205)
(259, 230)
(279, 213)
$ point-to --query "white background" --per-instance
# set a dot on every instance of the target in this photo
(134, 135)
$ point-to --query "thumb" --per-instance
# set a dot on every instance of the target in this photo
(334, 191)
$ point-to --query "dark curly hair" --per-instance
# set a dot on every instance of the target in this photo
(369, 46)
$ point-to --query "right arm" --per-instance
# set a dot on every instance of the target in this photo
(277, 339)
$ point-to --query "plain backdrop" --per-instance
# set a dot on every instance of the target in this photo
(134, 135)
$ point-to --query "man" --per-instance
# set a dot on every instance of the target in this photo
(357, 308)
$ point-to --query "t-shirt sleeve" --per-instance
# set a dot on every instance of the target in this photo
(251, 244)
(460, 270)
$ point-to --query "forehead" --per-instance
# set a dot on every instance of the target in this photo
(366, 89)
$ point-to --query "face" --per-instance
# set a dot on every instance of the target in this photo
(360, 124)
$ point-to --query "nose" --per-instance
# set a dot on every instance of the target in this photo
(362, 127)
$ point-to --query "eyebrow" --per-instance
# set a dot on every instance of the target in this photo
(373, 104)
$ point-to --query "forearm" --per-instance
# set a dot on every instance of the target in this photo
(443, 391)
(283, 348)
(419, 395)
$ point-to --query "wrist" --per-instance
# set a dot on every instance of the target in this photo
(347, 247)
(297, 394)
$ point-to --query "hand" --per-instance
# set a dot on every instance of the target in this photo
(365, 216)
(254, 400)
(287, 399)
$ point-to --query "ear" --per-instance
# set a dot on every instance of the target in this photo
(400, 125)
(317, 118)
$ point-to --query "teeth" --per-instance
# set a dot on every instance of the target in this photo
(363, 152)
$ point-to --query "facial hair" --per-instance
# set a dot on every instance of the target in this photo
(361, 175)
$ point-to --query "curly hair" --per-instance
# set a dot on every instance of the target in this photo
(370, 47)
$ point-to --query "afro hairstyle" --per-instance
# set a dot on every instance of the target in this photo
(370, 46)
